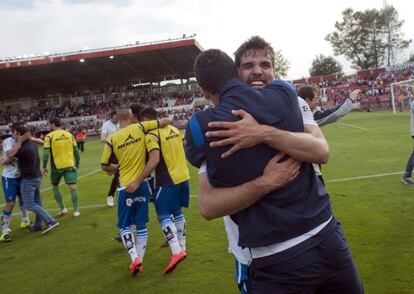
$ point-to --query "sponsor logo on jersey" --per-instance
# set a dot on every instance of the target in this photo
(128, 141)
(130, 201)
(62, 137)
(172, 135)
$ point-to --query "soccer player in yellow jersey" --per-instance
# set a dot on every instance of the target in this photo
(128, 146)
(61, 146)
(172, 186)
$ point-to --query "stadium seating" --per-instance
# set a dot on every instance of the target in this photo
(373, 83)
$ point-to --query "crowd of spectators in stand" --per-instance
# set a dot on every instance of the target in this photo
(374, 85)
(43, 111)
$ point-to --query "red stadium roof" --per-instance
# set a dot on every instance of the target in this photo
(101, 68)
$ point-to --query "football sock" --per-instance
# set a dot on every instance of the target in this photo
(58, 198)
(75, 199)
(128, 240)
(141, 243)
(170, 232)
(181, 226)
(5, 221)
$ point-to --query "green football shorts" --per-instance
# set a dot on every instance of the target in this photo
(70, 175)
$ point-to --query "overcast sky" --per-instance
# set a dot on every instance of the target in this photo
(298, 28)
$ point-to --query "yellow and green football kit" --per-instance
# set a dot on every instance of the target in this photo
(128, 146)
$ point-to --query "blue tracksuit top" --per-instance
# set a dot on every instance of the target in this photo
(280, 215)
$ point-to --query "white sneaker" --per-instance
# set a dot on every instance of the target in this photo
(407, 181)
(49, 227)
(76, 213)
(110, 201)
(62, 212)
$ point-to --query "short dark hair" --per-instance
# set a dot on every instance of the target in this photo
(112, 113)
(136, 109)
(55, 121)
(213, 68)
(149, 112)
(254, 43)
(307, 92)
(20, 127)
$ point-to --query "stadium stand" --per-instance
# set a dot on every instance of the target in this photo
(84, 87)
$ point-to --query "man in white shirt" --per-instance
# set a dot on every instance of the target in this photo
(11, 189)
(108, 128)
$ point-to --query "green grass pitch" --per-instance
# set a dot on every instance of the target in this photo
(80, 257)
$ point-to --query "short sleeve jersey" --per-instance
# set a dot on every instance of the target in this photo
(172, 168)
(109, 127)
(306, 113)
(61, 144)
(10, 170)
(129, 148)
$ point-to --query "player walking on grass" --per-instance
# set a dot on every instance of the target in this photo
(61, 146)
(27, 154)
(407, 179)
(128, 146)
(172, 189)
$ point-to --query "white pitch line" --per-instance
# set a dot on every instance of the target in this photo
(364, 177)
(49, 188)
(353, 126)
(82, 176)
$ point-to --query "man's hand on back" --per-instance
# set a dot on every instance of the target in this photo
(279, 173)
(241, 134)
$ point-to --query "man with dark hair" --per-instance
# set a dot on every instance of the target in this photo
(311, 95)
(11, 180)
(290, 223)
(252, 47)
(62, 148)
(172, 189)
(136, 109)
(208, 80)
(108, 128)
(29, 162)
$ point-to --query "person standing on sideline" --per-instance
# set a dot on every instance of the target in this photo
(172, 188)
(81, 139)
(64, 162)
(407, 179)
(108, 128)
(29, 163)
